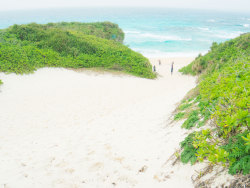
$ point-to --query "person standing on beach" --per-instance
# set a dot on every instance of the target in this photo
(172, 68)
(154, 69)
(159, 62)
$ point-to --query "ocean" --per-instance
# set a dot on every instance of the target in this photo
(154, 32)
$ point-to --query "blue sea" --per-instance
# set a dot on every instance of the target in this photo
(153, 32)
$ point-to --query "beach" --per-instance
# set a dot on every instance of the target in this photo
(63, 128)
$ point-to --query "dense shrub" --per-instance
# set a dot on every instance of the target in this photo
(192, 120)
(239, 153)
(219, 56)
(106, 30)
(24, 48)
(189, 151)
(179, 116)
(224, 98)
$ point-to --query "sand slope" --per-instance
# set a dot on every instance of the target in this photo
(60, 128)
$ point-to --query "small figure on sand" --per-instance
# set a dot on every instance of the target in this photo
(154, 69)
(172, 68)
(159, 62)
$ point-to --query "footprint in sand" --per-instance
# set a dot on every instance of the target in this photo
(118, 159)
(96, 166)
(70, 170)
(62, 164)
(91, 153)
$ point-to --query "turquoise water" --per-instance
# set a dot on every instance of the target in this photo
(152, 32)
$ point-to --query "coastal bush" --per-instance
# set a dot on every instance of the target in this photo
(184, 106)
(224, 98)
(238, 148)
(106, 30)
(179, 116)
(24, 48)
(219, 56)
(192, 120)
(189, 151)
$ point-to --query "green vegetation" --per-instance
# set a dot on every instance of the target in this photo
(106, 30)
(184, 106)
(25, 48)
(192, 120)
(1, 82)
(223, 96)
(179, 116)
(219, 56)
(188, 153)
(238, 151)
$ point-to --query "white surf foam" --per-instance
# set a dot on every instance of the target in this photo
(131, 32)
(204, 28)
(163, 38)
(228, 35)
(211, 20)
(245, 25)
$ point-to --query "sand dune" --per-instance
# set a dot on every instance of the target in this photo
(61, 128)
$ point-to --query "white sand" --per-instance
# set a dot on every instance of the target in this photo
(60, 128)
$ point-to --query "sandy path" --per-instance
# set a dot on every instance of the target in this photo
(62, 129)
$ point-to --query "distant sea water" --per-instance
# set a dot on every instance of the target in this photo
(154, 32)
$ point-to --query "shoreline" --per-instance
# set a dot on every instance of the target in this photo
(174, 55)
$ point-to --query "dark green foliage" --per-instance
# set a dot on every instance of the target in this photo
(179, 116)
(192, 120)
(239, 154)
(241, 166)
(19, 59)
(106, 30)
(189, 151)
(24, 48)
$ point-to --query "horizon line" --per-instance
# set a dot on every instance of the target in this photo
(142, 7)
